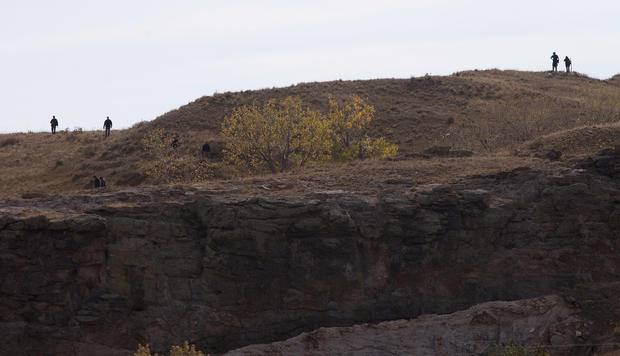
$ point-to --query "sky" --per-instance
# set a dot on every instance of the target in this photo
(83, 60)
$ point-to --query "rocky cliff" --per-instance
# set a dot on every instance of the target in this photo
(545, 323)
(96, 274)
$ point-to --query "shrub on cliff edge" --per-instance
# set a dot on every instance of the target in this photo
(514, 350)
(185, 350)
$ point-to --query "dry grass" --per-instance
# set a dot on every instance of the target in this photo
(508, 121)
(375, 176)
(45, 163)
(415, 113)
(67, 161)
(577, 141)
(9, 142)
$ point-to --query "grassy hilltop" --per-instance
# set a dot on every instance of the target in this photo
(507, 118)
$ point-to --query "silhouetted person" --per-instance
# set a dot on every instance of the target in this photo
(107, 125)
(175, 143)
(555, 60)
(567, 63)
(97, 182)
(206, 149)
(54, 123)
(102, 182)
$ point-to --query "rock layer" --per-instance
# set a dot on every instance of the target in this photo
(224, 271)
(546, 323)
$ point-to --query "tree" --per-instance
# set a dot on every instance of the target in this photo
(349, 131)
(275, 136)
(285, 134)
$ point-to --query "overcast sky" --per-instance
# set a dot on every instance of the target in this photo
(137, 59)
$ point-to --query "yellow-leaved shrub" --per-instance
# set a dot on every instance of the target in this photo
(281, 135)
(349, 131)
(185, 350)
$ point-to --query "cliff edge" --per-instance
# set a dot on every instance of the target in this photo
(97, 274)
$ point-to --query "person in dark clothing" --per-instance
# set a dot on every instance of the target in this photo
(54, 123)
(206, 149)
(102, 182)
(175, 142)
(107, 125)
(97, 182)
(567, 63)
(555, 60)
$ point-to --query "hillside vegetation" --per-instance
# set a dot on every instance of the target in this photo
(492, 113)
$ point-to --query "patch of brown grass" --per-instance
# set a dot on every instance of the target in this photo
(67, 161)
(577, 141)
(374, 176)
(491, 125)
(9, 142)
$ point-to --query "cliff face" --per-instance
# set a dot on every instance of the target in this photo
(544, 323)
(224, 270)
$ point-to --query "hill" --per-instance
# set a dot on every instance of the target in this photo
(415, 113)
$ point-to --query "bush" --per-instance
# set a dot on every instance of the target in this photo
(280, 135)
(185, 350)
(274, 136)
(514, 350)
(168, 165)
(349, 124)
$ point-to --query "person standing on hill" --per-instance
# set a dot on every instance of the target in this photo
(54, 123)
(567, 63)
(107, 125)
(97, 182)
(555, 60)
